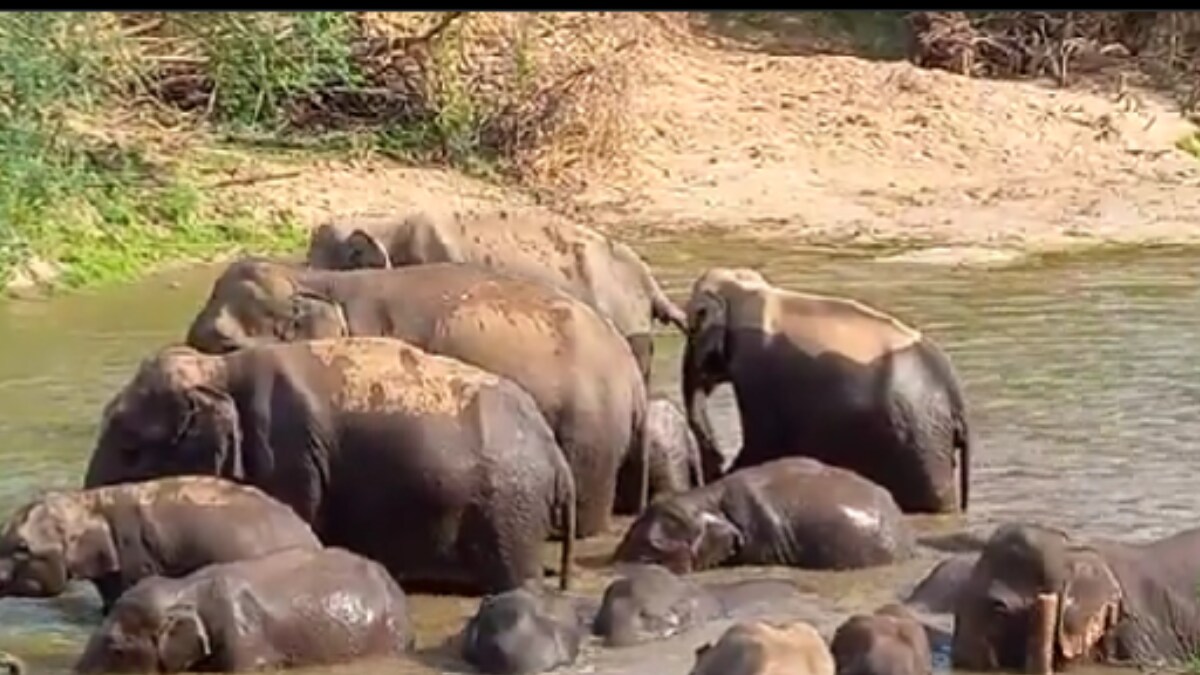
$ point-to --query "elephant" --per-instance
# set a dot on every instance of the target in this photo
(568, 357)
(355, 435)
(606, 274)
(525, 630)
(10, 664)
(649, 602)
(889, 641)
(1038, 598)
(829, 378)
(674, 457)
(760, 648)
(288, 609)
(114, 536)
(938, 591)
(793, 511)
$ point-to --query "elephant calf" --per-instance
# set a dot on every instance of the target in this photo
(292, 608)
(525, 630)
(764, 649)
(674, 457)
(889, 641)
(117, 535)
(794, 511)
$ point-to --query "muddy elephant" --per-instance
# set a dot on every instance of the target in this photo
(574, 364)
(606, 274)
(10, 664)
(353, 433)
(674, 457)
(828, 378)
(759, 648)
(793, 511)
(115, 536)
(526, 630)
(1038, 598)
(288, 609)
(889, 641)
(649, 602)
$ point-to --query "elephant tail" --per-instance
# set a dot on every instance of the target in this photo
(567, 520)
(661, 307)
(962, 441)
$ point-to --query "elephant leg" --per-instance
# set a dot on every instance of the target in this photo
(642, 345)
(500, 546)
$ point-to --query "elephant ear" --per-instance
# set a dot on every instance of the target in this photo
(313, 316)
(210, 436)
(1089, 605)
(363, 250)
(182, 640)
(93, 555)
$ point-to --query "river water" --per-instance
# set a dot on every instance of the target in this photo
(1083, 377)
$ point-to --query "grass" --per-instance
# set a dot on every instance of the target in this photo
(1190, 144)
(871, 34)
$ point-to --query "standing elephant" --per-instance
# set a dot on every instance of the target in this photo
(118, 535)
(758, 648)
(1036, 592)
(290, 609)
(577, 368)
(674, 457)
(794, 511)
(828, 378)
(606, 274)
(442, 472)
(889, 641)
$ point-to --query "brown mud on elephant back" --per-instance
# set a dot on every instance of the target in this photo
(759, 648)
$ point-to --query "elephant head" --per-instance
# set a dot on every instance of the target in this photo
(176, 417)
(707, 354)
(256, 301)
(347, 246)
(1034, 596)
(153, 628)
(50, 541)
(680, 538)
(378, 241)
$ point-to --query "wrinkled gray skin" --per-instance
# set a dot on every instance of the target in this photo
(604, 273)
(352, 434)
(116, 536)
(828, 378)
(648, 602)
(290, 609)
(793, 511)
(11, 665)
(526, 630)
(889, 641)
(1118, 604)
(674, 457)
(574, 364)
(938, 591)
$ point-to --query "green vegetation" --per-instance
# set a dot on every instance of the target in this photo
(1190, 144)
(876, 34)
(98, 209)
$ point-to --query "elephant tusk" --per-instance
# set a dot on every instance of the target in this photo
(1039, 654)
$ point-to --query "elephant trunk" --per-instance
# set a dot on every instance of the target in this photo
(567, 514)
(962, 439)
(695, 400)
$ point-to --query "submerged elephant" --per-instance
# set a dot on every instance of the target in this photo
(571, 360)
(889, 641)
(115, 536)
(526, 630)
(290, 609)
(674, 457)
(1037, 594)
(828, 378)
(606, 274)
(938, 591)
(649, 602)
(353, 435)
(759, 648)
(794, 511)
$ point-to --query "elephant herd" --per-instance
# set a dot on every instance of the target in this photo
(425, 402)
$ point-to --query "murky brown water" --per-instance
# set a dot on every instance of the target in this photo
(1083, 378)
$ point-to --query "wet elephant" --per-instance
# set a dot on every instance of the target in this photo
(759, 648)
(1037, 594)
(794, 511)
(115, 536)
(938, 591)
(526, 630)
(292, 608)
(829, 378)
(574, 364)
(674, 457)
(649, 602)
(352, 434)
(889, 641)
(10, 664)
(606, 274)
